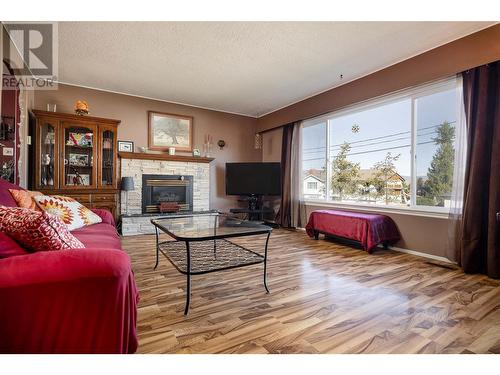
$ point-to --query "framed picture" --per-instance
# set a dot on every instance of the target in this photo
(79, 160)
(79, 139)
(74, 179)
(125, 146)
(168, 130)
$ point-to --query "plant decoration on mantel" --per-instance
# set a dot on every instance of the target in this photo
(164, 156)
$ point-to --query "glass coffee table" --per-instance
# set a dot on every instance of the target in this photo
(200, 244)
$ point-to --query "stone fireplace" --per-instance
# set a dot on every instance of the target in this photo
(166, 188)
(186, 181)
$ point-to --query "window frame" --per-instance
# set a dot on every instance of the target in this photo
(312, 185)
(412, 94)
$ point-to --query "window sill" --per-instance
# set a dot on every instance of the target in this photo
(378, 209)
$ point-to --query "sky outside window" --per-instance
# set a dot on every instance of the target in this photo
(373, 133)
(432, 111)
(314, 146)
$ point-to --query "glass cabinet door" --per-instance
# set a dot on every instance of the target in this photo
(46, 158)
(79, 153)
(107, 160)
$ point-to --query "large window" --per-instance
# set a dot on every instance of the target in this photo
(397, 151)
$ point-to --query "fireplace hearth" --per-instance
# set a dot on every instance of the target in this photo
(166, 188)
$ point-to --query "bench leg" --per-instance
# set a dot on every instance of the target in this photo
(316, 235)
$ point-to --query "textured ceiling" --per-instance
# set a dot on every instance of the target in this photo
(250, 68)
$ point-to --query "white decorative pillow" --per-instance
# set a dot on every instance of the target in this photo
(72, 213)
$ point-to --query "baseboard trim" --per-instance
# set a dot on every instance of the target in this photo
(420, 254)
(411, 252)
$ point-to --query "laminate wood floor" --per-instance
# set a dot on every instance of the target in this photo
(325, 298)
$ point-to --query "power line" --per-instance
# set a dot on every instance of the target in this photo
(371, 144)
(384, 136)
(387, 148)
(377, 150)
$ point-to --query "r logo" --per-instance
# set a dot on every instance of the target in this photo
(35, 44)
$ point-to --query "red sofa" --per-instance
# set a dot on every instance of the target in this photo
(68, 301)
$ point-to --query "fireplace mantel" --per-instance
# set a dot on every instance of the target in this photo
(167, 157)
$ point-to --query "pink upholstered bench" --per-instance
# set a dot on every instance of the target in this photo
(369, 230)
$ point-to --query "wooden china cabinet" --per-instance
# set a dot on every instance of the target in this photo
(76, 156)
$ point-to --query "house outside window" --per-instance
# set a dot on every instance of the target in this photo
(313, 185)
(397, 151)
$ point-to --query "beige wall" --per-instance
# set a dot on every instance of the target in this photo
(237, 131)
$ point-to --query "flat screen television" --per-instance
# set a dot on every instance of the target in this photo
(253, 179)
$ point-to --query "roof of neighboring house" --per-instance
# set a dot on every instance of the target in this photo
(368, 174)
(315, 177)
(320, 174)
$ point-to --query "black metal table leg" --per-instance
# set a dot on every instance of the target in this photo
(188, 275)
(265, 263)
(157, 247)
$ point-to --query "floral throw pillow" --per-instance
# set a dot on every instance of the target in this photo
(24, 198)
(36, 231)
(71, 212)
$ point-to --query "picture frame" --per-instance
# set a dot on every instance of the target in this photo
(78, 160)
(80, 179)
(80, 139)
(168, 130)
(125, 146)
(8, 151)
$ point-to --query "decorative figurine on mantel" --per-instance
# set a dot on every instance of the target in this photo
(81, 108)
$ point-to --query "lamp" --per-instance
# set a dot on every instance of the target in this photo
(127, 185)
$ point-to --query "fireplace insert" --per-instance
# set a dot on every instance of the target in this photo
(158, 189)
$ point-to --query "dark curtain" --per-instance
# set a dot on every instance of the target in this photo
(284, 216)
(480, 238)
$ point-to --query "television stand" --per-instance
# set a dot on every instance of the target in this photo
(256, 214)
(253, 202)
